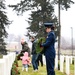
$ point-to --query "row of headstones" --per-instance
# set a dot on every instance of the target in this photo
(68, 61)
(6, 63)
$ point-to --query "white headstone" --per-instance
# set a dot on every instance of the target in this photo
(7, 64)
(44, 60)
(71, 57)
(74, 65)
(56, 62)
(67, 65)
(61, 62)
(2, 67)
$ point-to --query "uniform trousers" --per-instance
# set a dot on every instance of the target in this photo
(50, 63)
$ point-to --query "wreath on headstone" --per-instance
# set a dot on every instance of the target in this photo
(14, 70)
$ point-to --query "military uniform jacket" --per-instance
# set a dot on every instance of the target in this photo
(49, 45)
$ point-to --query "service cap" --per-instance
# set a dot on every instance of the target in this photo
(48, 24)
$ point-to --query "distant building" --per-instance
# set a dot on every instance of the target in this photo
(13, 46)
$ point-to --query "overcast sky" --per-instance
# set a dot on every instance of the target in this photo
(19, 24)
(67, 21)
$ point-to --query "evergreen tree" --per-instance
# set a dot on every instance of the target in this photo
(42, 11)
(4, 22)
(38, 18)
(64, 4)
(25, 5)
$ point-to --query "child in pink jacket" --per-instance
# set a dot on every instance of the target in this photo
(25, 61)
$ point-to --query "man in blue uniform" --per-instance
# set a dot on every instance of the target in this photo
(49, 49)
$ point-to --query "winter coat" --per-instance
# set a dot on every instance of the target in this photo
(25, 58)
(33, 47)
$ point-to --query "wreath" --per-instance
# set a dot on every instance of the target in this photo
(39, 48)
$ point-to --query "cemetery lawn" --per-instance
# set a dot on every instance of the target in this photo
(41, 71)
(72, 69)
